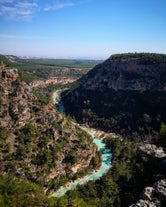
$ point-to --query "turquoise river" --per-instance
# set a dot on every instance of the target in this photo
(95, 175)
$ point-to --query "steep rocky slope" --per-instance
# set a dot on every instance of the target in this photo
(153, 196)
(38, 143)
(125, 94)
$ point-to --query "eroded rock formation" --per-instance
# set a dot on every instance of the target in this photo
(153, 196)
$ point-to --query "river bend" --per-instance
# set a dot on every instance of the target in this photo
(95, 175)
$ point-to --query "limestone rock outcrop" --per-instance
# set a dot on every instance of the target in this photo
(121, 73)
(152, 150)
(7, 73)
(153, 196)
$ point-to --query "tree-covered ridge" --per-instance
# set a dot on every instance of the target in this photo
(154, 56)
(129, 91)
(37, 142)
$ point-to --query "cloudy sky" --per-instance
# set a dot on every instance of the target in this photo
(81, 28)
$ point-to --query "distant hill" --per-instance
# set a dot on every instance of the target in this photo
(47, 69)
(125, 94)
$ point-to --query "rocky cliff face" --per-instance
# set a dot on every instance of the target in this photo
(10, 74)
(125, 93)
(153, 196)
(54, 80)
(120, 73)
(38, 143)
(15, 99)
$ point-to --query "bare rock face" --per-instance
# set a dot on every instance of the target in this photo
(153, 196)
(15, 98)
(136, 74)
(9, 74)
(54, 80)
(152, 150)
(145, 203)
(160, 188)
(148, 193)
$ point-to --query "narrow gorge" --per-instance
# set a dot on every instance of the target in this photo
(105, 156)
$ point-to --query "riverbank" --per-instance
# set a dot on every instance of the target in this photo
(95, 175)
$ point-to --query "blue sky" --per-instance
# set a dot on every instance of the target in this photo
(81, 28)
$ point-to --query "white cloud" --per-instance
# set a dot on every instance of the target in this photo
(27, 4)
(26, 9)
(58, 5)
(17, 9)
